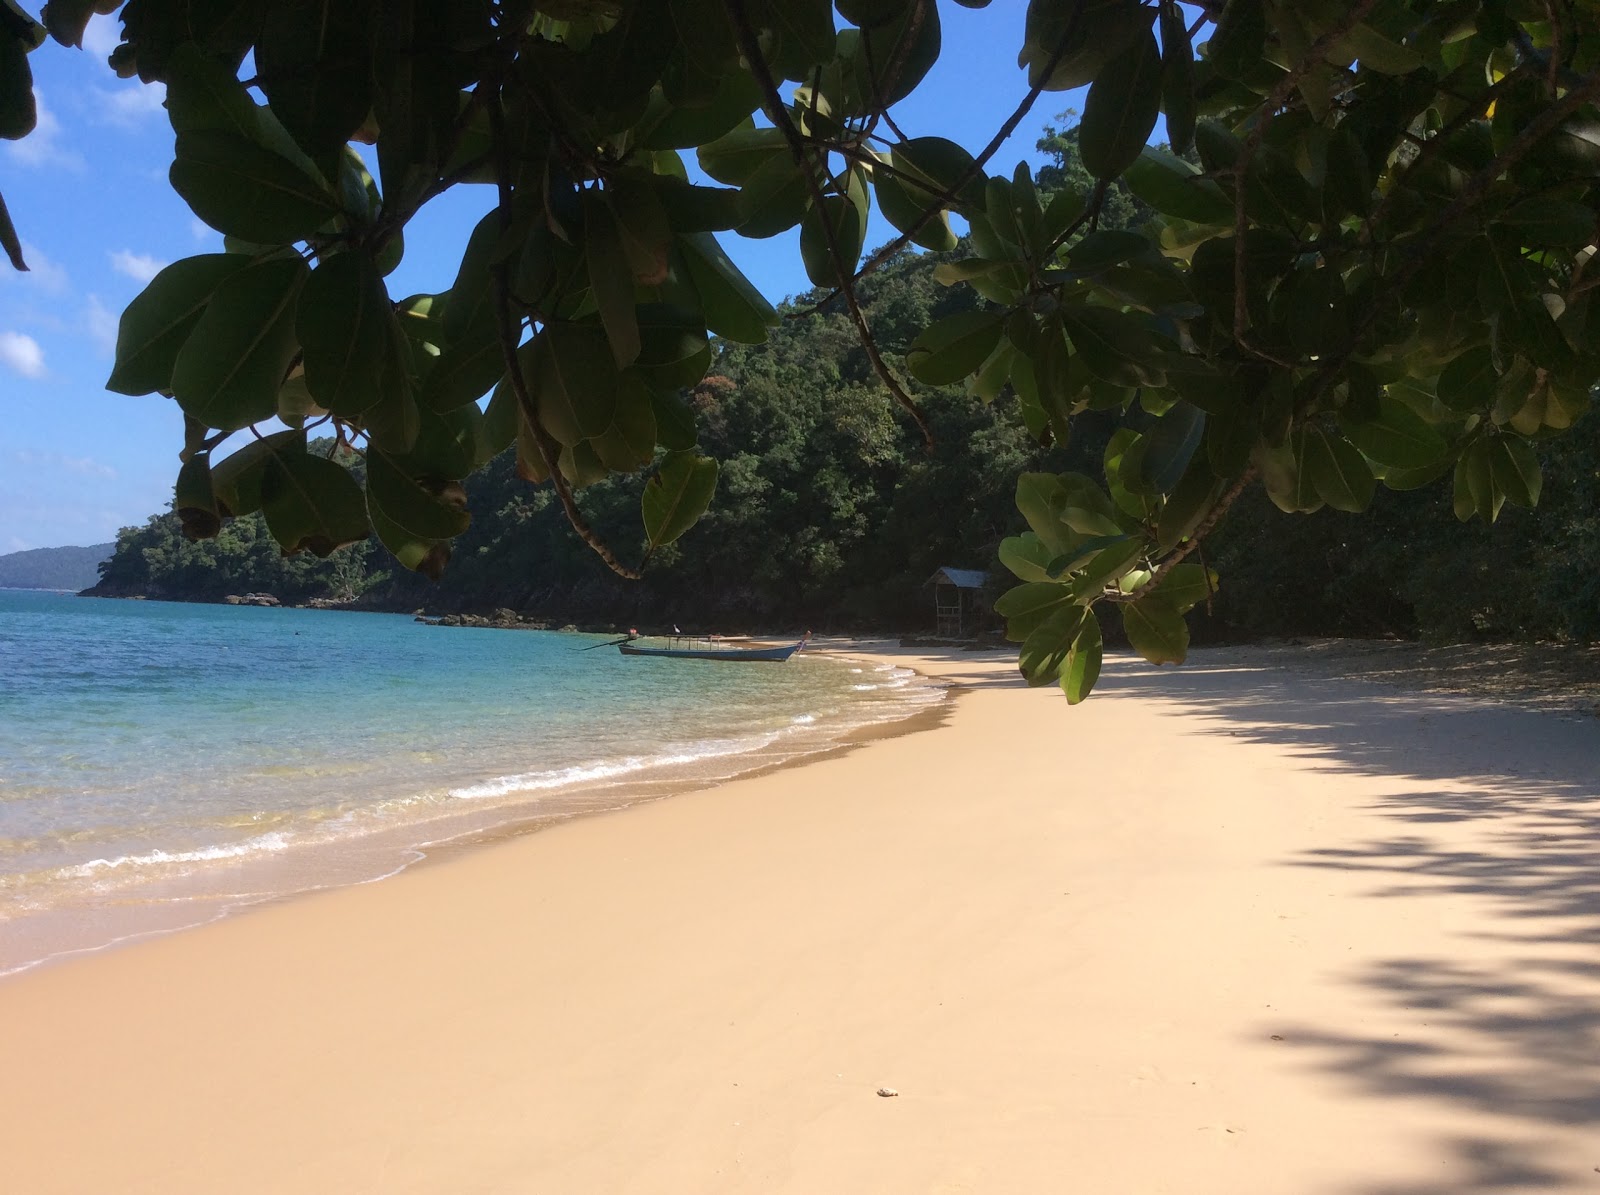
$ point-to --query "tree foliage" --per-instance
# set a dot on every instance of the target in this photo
(1375, 271)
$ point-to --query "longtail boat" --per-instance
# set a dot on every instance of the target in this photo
(710, 647)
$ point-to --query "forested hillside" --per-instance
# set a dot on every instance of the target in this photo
(52, 568)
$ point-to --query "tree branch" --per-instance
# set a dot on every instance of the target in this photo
(1196, 537)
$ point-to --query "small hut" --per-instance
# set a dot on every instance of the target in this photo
(957, 594)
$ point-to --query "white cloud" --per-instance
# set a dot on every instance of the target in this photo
(141, 267)
(101, 35)
(40, 147)
(102, 325)
(22, 353)
(43, 272)
(132, 103)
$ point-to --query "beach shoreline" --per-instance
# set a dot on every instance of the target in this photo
(1224, 929)
(234, 884)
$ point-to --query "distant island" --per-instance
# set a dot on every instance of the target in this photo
(54, 568)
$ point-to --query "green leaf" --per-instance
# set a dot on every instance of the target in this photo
(1120, 113)
(1026, 607)
(846, 220)
(423, 512)
(574, 380)
(1177, 77)
(1469, 382)
(1398, 437)
(344, 323)
(676, 497)
(246, 191)
(954, 347)
(19, 112)
(312, 504)
(1545, 220)
(1475, 489)
(1082, 667)
(629, 444)
(611, 279)
(1026, 556)
(903, 203)
(736, 157)
(228, 372)
(773, 199)
(314, 62)
(1341, 476)
(1175, 187)
(729, 301)
(1170, 444)
(1089, 33)
(236, 480)
(1514, 466)
(158, 322)
(194, 501)
(1239, 38)
(1156, 630)
(1113, 345)
(1186, 586)
(424, 556)
(1048, 644)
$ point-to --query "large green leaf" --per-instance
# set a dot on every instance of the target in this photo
(246, 191)
(1025, 607)
(1113, 345)
(839, 223)
(228, 372)
(424, 512)
(344, 322)
(1514, 466)
(1342, 478)
(954, 347)
(159, 320)
(236, 479)
(312, 504)
(1397, 437)
(574, 380)
(1175, 187)
(1026, 556)
(611, 279)
(1045, 649)
(1082, 667)
(314, 63)
(1156, 630)
(676, 497)
(729, 301)
(1120, 113)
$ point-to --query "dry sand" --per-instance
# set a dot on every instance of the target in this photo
(1230, 929)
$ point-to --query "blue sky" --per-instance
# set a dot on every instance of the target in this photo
(89, 195)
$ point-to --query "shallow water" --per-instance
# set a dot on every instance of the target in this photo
(161, 763)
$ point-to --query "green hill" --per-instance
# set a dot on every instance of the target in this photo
(54, 568)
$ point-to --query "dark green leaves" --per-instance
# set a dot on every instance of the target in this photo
(229, 369)
(160, 319)
(345, 326)
(676, 497)
(311, 504)
(954, 347)
(246, 191)
(1397, 437)
(1156, 630)
(1121, 110)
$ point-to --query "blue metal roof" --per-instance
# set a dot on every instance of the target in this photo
(961, 578)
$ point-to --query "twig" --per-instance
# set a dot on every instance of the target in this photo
(508, 328)
(751, 48)
(885, 252)
(1202, 529)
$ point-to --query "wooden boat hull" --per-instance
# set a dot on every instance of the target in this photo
(775, 655)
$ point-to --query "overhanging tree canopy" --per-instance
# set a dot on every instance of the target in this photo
(1369, 260)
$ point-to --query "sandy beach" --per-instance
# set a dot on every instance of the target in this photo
(1235, 928)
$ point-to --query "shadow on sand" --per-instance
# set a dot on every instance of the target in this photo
(1523, 1030)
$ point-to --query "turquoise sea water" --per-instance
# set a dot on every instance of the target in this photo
(163, 763)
